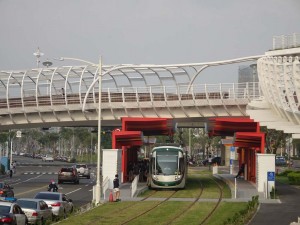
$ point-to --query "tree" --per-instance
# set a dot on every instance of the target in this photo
(274, 139)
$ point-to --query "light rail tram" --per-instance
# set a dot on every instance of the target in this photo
(167, 168)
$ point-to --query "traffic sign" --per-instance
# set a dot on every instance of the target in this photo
(271, 176)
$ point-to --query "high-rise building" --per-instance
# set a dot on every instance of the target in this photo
(247, 74)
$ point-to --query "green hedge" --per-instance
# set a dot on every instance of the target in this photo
(244, 215)
(294, 177)
(285, 173)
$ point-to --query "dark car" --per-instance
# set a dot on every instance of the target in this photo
(68, 174)
(216, 160)
(8, 219)
(280, 161)
(6, 190)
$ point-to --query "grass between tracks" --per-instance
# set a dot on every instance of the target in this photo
(120, 212)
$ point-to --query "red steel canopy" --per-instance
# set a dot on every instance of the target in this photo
(149, 126)
(224, 126)
(126, 138)
(250, 140)
(134, 128)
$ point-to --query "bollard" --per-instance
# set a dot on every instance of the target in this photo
(111, 196)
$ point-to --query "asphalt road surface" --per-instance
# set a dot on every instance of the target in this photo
(33, 175)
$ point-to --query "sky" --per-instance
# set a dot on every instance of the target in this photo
(143, 32)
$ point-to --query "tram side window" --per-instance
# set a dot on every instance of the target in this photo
(181, 166)
(158, 169)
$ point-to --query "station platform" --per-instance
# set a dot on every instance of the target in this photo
(244, 192)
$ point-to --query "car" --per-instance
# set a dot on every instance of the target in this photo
(6, 190)
(61, 205)
(47, 158)
(8, 219)
(216, 160)
(11, 213)
(280, 161)
(36, 210)
(83, 170)
(68, 174)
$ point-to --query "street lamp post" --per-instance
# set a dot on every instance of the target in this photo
(98, 174)
(18, 135)
(98, 183)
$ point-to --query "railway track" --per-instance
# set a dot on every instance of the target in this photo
(209, 215)
(188, 207)
(138, 215)
(146, 211)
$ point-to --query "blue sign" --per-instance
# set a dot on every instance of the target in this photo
(232, 148)
(271, 176)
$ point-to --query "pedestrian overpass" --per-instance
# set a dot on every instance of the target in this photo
(69, 95)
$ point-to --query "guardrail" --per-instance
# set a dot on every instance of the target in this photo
(220, 91)
(286, 41)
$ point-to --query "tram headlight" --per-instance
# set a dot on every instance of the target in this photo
(155, 177)
(178, 177)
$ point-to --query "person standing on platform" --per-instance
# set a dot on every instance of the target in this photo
(117, 188)
(241, 171)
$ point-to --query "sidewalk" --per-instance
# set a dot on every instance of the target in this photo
(245, 189)
(125, 192)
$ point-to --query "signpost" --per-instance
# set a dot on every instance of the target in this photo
(271, 178)
(232, 157)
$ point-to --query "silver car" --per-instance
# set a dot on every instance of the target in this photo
(61, 205)
(13, 208)
(36, 210)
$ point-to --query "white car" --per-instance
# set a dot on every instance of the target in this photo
(7, 207)
(48, 158)
(61, 205)
(36, 210)
(83, 170)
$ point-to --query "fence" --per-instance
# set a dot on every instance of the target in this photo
(286, 41)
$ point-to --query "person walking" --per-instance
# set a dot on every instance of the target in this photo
(14, 166)
(117, 188)
(10, 173)
(241, 170)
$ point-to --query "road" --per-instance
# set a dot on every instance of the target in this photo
(33, 176)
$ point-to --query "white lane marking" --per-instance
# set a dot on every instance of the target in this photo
(86, 185)
(28, 179)
(91, 190)
(74, 191)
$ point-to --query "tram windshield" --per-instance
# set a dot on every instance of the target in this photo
(167, 163)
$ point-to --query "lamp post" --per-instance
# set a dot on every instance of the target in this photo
(18, 135)
(99, 180)
(98, 183)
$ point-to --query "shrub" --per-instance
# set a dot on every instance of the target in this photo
(245, 214)
(285, 173)
(294, 177)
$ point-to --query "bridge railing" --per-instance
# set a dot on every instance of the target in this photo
(143, 94)
(286, 41)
